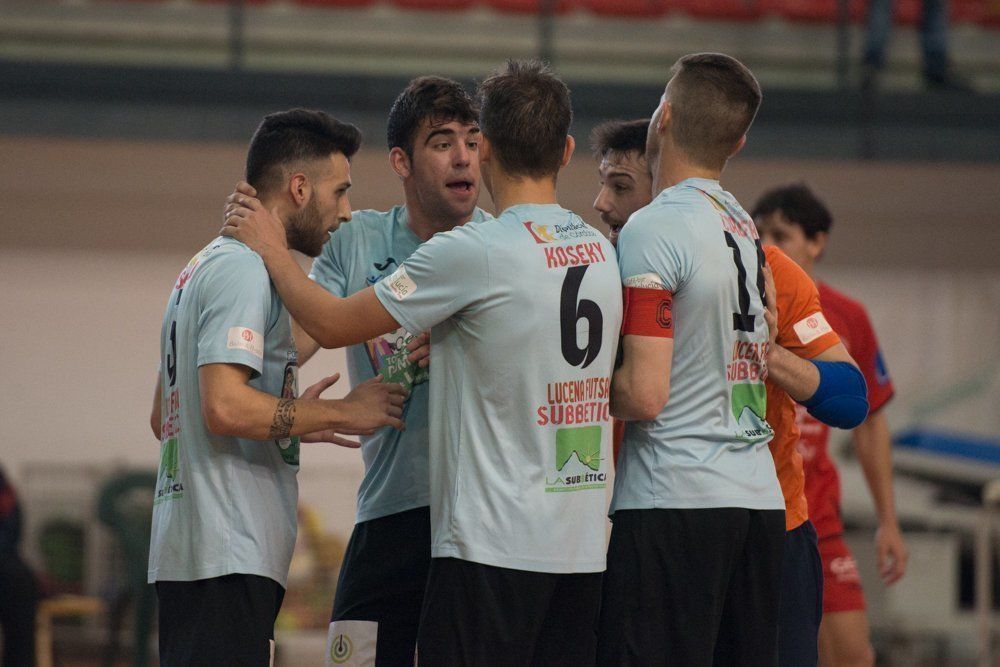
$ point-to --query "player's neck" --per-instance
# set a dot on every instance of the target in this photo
(510, 191)
(673, 169)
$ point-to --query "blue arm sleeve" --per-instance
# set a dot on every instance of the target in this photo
(841, 400)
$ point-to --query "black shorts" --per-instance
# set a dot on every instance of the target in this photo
(801, 608)
(381, 589)
(477, 614)
(692, 587)
(221, 621)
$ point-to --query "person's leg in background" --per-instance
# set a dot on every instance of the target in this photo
(19, 593)
(879, 24)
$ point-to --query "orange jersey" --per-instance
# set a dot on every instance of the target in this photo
(802, 330)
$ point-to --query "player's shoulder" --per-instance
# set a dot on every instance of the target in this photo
(834, 299)
(227, 254)
(784, 268)
(368, 222)
(663, 218)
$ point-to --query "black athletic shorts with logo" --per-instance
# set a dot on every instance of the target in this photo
(801, 599)
(477, 614)
(692, 587)
(381, 589)
(220, 621)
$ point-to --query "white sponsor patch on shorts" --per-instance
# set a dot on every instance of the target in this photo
(242, 338)
(351, 643)
(812, 327)
(401, 284)
(644, 281)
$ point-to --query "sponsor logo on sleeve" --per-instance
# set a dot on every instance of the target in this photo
(351, 643)
(400, 284)
(645, 281)
(242, 338)
(812, 327)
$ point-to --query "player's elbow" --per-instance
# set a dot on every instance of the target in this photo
(841, 400)
(650, 403)
(220, 415)
(154, 425)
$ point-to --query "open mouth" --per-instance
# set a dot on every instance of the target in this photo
(460, 186)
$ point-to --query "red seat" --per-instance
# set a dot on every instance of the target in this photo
(339, 4)
(646, 8)
(731, 10)
(526, 6)
(907, 12)
(434, 4)
(815, 11)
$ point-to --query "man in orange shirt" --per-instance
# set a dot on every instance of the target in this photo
(801, 333)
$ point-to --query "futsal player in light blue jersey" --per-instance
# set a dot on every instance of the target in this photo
(227, 413)
(433, 138)
(698, 514)
(524, 313)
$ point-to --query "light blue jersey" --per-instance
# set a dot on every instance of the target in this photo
(223, 505)
(708, 447)
(524, 313)
(359, 254)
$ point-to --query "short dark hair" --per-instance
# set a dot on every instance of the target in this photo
(714, 99)
(292, 136)
(619, 137)
(799, 205)
(525, 114)
(434, 98)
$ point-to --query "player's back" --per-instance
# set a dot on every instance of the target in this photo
(708, 446)
(523, 349)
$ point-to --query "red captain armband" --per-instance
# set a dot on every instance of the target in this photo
(648, 312)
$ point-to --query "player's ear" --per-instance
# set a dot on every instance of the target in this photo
(400, 162)
(739, 145)
(568, 151)
(485, 149)
(299, 189)
(817, 244)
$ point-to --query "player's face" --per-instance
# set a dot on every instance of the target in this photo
(776, 229)
(445, 169)
(625, 188)
(326, 209)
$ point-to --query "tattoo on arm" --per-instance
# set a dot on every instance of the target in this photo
(284, 417)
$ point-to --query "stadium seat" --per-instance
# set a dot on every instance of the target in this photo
(434, 4)
(525, 6)
(729, 10)
(336, 4)
(633, 8)
(907, 12)
(814, 11)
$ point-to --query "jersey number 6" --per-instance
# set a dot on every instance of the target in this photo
(571, 312)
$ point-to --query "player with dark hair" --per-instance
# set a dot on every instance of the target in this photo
(620, 147)
(795, 220)
(518, 451)
(802, 330)
(433, 139)
(227, 416)
(698, 514)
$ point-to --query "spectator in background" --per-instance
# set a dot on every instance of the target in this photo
(933, 40)
(795, 220)
(18, 588)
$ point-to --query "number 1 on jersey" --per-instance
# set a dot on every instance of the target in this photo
(743, 320)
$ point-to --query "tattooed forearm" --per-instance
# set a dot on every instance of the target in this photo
(284, 417)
